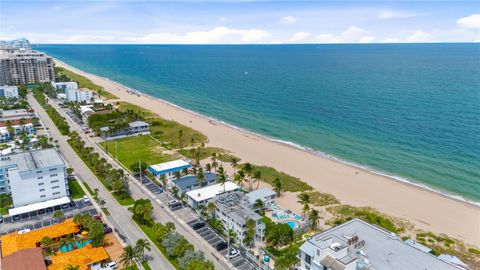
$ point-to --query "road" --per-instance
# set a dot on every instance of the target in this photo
(120, 217)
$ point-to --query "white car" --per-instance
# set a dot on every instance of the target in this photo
(172, 202)
(86, 200)
(233, 253)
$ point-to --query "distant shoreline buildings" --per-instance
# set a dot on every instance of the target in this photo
(19, 64)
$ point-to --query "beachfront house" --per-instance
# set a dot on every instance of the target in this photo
(62, 87)
(232, 210)
(190, 182)
(202, 196)
(168, 168)
(133, 129)
(266, 195)
(357, 244)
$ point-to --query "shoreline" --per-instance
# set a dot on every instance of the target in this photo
(431, 198)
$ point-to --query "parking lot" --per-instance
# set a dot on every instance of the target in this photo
(43, 218)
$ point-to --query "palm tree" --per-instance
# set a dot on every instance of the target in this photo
(313, 218)
(257, 175)
(214, 165)
(221, 177)
(200, 177)
(72, 267)
(304, 199)
(185, 171)
(46, 241)
(239, 178)
(249, 170)
(234, 164)
(141, 246)
(211, 207)
(129, 256)
(177, 175)
(208, 167)
(258, 205)
(277, 186)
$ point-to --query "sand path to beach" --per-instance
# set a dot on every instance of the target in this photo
(425, 209)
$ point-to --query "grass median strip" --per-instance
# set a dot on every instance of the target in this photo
(76, 191)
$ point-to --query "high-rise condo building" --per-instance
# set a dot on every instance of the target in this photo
(21, 66)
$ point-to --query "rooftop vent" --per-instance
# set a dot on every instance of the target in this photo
(336, 246)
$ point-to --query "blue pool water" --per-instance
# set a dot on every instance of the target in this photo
(407, 110)
(78, 244)
(292, 224)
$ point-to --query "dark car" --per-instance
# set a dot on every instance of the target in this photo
(97, 217)
(49, 210)
(16, 217)
(107, 230)
(175, 205)
(198, 225)
(65, 206)
(221, 246)
(72, 204)
(41, 211)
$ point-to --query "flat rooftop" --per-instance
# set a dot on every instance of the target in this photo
(212, 191)
(381, 248)
(33, 160)
(170, 166)
(234, 205)
(191, 180)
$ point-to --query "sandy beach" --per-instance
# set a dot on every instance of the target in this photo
(424, 208)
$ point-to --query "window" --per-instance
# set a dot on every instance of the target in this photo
(40, 177)
(308, 259)
(42, 189)
(55, 193)
(54, 181)
(55, 187)
(54, 169)
(42, 196)
(53, 175)
(39, 171)
(41, 184)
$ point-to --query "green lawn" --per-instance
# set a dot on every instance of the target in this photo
(131, 150)
(167, 131)
(88, 189)
(3, 211)
(206, 152)
(76, 191)
(85, 82)
(123, 201)
(289, 183)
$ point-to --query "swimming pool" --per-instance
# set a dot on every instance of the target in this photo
(79, 244)
(292, 224)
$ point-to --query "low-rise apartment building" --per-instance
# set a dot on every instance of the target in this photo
(202, 196)
(64, 86)
(18, 114)
(134, 128)
(8, 92)
(79, 95)
(359, 245)
(233, 211)
(33, 177)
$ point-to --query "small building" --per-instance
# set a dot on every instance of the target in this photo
(134, 128)
(64, 86)
(168, 168)
(233, 212)
(79, 95)
(83, 257)
(266, 195)
(357, 244)
(204, 195)
(6, 136)
(26, 259)
(18, 114)
(8, 92)
(190, 182)
(33, 177)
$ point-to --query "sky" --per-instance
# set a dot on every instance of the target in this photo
(239, 22)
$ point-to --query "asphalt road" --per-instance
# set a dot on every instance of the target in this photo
(120, 217)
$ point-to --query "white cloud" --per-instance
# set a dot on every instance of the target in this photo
(390, 40)
(216, 35)
(470, 22)
(288, 20)
(366, 39)
(79, 39)
(391, 14)
(299, 36)
(353, 34)
(420, 36)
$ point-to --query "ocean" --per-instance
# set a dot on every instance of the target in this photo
(411, 111)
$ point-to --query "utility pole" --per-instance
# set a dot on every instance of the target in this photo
(140, 170)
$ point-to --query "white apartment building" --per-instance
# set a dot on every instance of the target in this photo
(64, 86)
(33, 177)
(79, 95)
(8, 92)
(202, 196)
(358, 245)
(233, 211)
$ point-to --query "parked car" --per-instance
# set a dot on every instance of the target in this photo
(97, 217)
(198, 225)
(107, 230)
(233, 253)
(1, 219)
(175, 205)
(86, 200)
(72, 204)
(172, 202)
(49, 210)
(16, 217)
(65, 206)
(112, 265)
(221, 246)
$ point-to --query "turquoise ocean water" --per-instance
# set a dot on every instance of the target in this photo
(407, 110)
